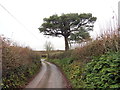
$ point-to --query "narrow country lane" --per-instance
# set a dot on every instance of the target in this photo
(48, 77)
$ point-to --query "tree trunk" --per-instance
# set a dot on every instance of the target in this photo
(66, 43)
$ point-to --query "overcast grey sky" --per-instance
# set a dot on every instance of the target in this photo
(30, 14)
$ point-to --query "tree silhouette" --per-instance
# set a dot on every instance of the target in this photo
(67, 25)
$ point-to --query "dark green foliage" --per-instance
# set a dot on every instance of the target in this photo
(80, 36)
(103, 72)
(67, 25)
(18, 77)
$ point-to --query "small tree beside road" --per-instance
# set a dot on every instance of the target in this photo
(48, 48)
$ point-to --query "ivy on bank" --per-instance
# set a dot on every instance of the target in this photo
(103, 72)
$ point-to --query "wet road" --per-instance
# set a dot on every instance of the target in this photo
(48, 77)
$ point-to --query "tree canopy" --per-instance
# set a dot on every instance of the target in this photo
(67, 25)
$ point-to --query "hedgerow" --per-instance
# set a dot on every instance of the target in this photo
(19, 64)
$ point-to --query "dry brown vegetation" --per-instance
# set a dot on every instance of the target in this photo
(105, 43)
(14, 56)
(109, 41)
(18, 63)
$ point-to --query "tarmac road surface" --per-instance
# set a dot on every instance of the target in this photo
(49, 77)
